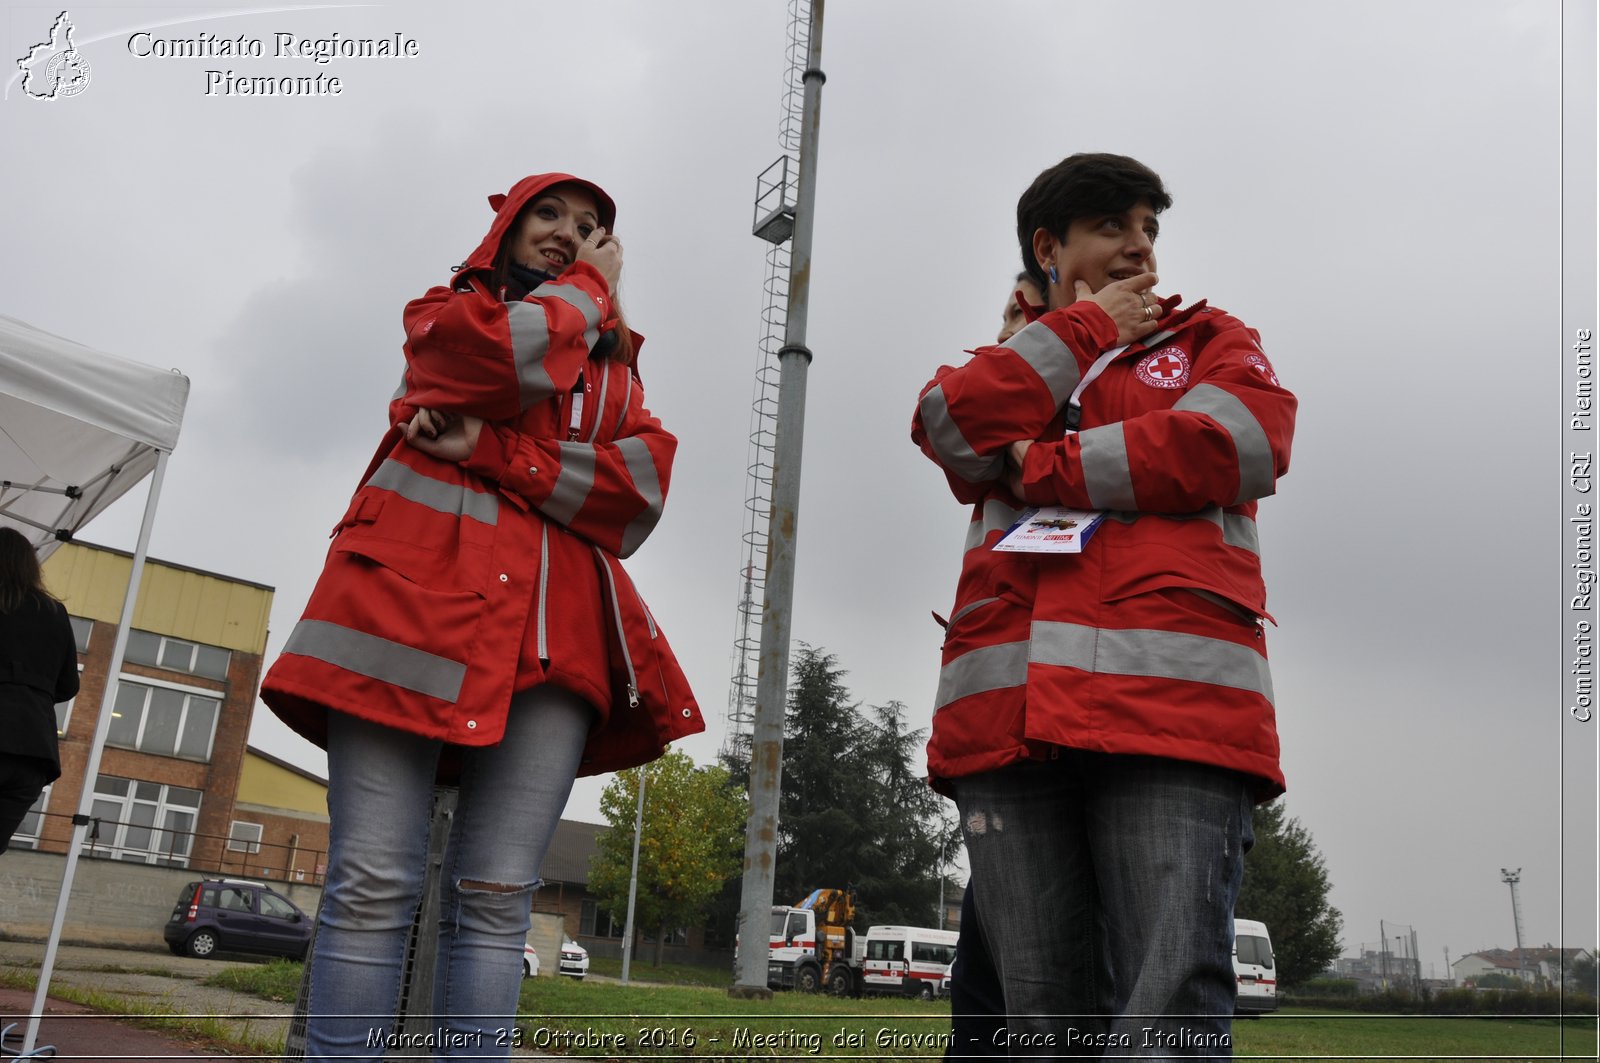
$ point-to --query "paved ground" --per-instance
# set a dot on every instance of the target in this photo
(157, 980)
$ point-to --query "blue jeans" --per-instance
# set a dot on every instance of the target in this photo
(1104, 886)
(977, 1004)
(380, 808)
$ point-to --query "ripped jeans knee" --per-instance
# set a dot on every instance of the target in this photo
(496, 909)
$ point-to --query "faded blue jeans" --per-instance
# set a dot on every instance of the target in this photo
(380, 807)
(1104, 885)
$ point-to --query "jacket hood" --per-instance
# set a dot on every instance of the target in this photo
(507, 204)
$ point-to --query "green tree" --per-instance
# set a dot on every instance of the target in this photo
(689, 846)
(853, 812)
(1286, 887)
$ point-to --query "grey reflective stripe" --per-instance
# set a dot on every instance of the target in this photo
(455, 499)
(574, 297)
(544, 585)
(996, 516)
(1158, 654)
(969, 607)
(600, 406)
(1240, 531)
(1237, 529)
(378, 658)
(982, 670)
(530, 342)
(1039, 346)
(627, 397)
(1150, 341)
(642, 470)
(1257, 477)
(1106, 475)
(951, 446)
(580, 301)
(573, 484)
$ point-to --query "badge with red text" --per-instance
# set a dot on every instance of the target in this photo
(1166, 368)
(1259, 363)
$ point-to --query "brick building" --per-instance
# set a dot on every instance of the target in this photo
(175, 750)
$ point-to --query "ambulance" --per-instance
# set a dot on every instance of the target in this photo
(1253, 969)
(907, 960)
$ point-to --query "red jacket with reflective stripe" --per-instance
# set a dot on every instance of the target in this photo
(1149, 642)
(450, 585)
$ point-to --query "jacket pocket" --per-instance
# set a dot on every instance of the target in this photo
(651, 702)
(433, 551)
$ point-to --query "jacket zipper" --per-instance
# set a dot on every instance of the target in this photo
(622, 636)
(575, 419)
(544, 584)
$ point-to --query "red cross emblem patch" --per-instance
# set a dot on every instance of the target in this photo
(1166, 368)
(1259, 363)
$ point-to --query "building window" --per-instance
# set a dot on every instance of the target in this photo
(143, 822)
(166, 719)
(32, 825)
(64, 708)
(244, 837)
(81, 626)
(596, 922)
(160, 651)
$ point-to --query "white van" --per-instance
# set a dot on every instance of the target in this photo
(1253, 968)
(907, 960)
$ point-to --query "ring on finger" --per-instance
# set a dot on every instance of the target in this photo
(1149, 313)
(1143, 301)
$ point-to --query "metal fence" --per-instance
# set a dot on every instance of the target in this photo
(138, 843)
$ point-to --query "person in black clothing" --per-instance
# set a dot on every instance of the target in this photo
(38, 668)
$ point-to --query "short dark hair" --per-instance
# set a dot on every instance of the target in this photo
(1080, 185)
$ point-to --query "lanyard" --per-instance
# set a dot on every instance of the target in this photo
(1074, 408)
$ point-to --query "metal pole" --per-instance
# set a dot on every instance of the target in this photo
(772, 684)
(97, 747)
(633, 882)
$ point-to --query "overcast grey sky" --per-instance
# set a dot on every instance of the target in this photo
(1372, 185)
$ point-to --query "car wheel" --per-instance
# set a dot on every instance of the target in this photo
(201, 943)
(527, 968)
(807, 979)
(839, 982)
(926, 992)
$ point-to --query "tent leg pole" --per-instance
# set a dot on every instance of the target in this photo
(91, 770)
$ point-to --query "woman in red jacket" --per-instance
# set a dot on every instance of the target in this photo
(473, 622)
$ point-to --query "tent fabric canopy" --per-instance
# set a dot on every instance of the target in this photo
(78, 428)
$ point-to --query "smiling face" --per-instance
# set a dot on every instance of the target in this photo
(554, 224)
(1099, 249)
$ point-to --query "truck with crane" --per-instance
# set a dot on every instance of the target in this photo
(813, 946)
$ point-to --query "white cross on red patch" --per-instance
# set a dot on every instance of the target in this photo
(1166, 368)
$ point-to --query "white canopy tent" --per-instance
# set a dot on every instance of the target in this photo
(78, 429)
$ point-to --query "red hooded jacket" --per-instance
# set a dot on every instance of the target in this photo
(450, 585)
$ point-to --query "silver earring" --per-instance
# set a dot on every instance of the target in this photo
(1055, 278)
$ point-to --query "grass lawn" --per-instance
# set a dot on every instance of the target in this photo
(598, 1019)
(682, 1022)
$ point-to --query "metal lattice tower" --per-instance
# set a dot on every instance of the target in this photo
(774, 222)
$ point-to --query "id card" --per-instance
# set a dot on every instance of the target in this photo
(1051, 530)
